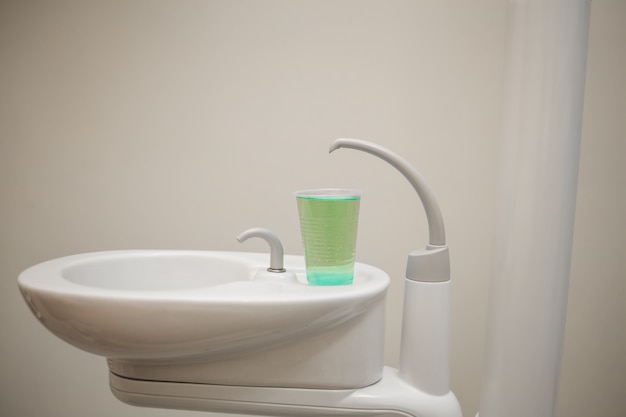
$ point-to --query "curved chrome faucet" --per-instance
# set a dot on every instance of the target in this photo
(433, 213)
(425, 265)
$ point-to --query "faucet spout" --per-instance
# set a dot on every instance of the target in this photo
(437, 236)
(276, 247)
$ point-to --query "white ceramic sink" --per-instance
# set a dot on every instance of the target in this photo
(201, 316)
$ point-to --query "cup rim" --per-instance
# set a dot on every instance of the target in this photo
(330, 193)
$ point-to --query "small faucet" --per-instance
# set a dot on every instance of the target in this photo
(276, 247)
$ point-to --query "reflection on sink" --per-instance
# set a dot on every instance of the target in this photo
(199, 316)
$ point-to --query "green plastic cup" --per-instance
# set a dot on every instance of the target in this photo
(328, 222)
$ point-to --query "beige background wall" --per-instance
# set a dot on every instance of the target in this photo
(156, 124)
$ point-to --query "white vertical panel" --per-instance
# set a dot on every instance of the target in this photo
(547, 43)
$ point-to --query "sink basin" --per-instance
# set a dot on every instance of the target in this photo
(201, 316)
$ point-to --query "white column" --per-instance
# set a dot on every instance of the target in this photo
(542, 111)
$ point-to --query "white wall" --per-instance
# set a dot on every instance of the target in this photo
(155, 124)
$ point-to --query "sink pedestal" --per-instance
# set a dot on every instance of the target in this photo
(348, 355)
(389, 397)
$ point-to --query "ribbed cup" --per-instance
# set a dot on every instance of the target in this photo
(328, 222)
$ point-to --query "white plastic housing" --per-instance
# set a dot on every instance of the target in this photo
(348, 355)
(424, 351)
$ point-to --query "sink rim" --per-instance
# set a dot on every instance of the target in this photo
(165, 326)
(49, 277)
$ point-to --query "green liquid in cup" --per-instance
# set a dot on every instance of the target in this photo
(329, 226)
